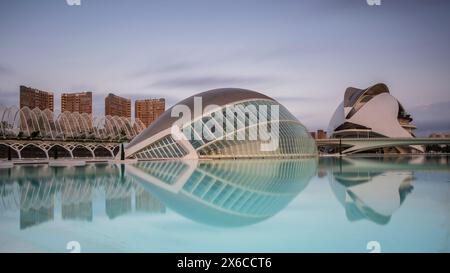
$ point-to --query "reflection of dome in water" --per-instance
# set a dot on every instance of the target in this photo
(215, 133)
(374, 195)
(226, 193)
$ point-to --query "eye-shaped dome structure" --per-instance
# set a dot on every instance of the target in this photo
(372, 112)
(230, 124)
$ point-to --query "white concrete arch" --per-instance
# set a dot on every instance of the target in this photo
(36, 146)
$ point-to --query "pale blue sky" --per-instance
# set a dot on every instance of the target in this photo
(304, 53)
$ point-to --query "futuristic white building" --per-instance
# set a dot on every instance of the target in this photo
(372, 113)
(235, 112)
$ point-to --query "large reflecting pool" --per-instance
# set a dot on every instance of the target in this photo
(354, 204)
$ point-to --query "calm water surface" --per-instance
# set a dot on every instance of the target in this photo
(333, 205)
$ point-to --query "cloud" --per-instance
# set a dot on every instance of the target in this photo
(158, 67)
(175, 67)
(208, 81)
(300, 99)
(9, 98)
(431, 118)
(165, 69)
(5, 70)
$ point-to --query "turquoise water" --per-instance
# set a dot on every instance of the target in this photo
(309, 205)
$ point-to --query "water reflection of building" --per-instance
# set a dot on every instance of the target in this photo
(74, 189)
(225, 193)
(77, 204)
(145, 202)
(33, 215)
(370, 194)
(118, 205)
(80, 211)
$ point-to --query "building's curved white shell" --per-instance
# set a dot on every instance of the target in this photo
(380, 114)
(338, 118)
(371, 111)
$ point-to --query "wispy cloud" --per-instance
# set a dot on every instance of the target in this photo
(297, 99)
(170, 68)
(9, 98)
(208, 81)
(5, 70)
(432, 117)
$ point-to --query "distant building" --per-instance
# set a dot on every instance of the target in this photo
(438, 148)
(117, 106)
(32, 98)
(149, 110)
(439, 135)
(321, 134)
(77, 102)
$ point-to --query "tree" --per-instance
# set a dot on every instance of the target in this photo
(122, 152)
(34, 134)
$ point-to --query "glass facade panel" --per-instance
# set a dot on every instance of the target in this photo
(164, 148)
(236, 134)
